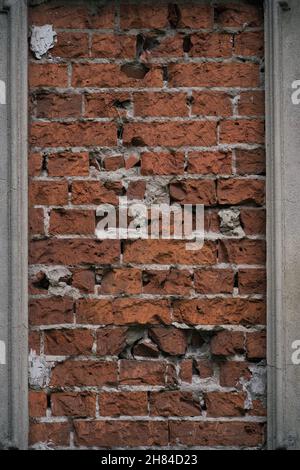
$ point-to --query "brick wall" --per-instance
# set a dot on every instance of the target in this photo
(142, 343)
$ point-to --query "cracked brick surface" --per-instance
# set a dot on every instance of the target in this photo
(143, 343)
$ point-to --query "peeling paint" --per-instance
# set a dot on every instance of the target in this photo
(39, 370)
(230, 223)
(42, 39)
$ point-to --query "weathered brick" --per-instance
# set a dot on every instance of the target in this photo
(72, 222)
(54, 251)
(162, 163)
(111, 341)
(254, 221)
(228, 343)
(84, 280)
(171, 341)
(194, 192)
(50, 311)
(36, 221)
(242, 251)
(123, 311)
(229, 405)
(48, 75)
(160, 104)
(111, 434)
(174, 403)
(239, 14)
(239, 191)
(70, 134)
(232, 374)
(77, 405)
(84, 373)
(50, 433)
(211, 103)
(214, 281)
(68, 164)
(250, 162)
(142, 372)
(37, 404)
(121, 281)
(106, 104)
(35, 164)
(48, 193)
(256, 345)
(168, 252)
(123, 404)
(68, 342)
(211, 45)
(144, 16)
(167, 282)
(113, 46)
(51, 105)
(249, 132)
(252, 281)
(252, 103)
(173, 134)
(95, 192)
(214, 75)
(249, 44)
(71, 46)
(219, 311)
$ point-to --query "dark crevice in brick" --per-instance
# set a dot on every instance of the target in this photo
(236, 280)
(174, 15)
(165, 74)
(135, 70)
(187, 44)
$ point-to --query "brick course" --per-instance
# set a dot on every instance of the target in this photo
(143, 343)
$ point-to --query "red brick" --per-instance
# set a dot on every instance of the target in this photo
(123, 312)
(252, 281)
(251, 132)
(48, 193)
(113, 163)
(160, 104)
(214, 75)
(211, 103)
(166, 47)
(37, 404)
(214, 281)
(237, 14)
(254, 221)
(78, 222)
(106, 104)
(50, 105)
(78, 405)
(111, 341)
(204, 368)
(242, 251)
(251, 162)
(52, 434)
(84, 280)
(68, 164)
(216, 434)
(35, 164)
(240, 191)
(113, 46)
(112, 76)
(34, 342)
(111, 434)
(162, 163)
(167, 252)
(211, 45)
(228, 343)
(95, 192)
(195, 16)
(84, 373)
(63, 251)
(258, 409)
(70, 134)
(68, 342)
(73, 16)
(123, 404)
(204, 163)
(142, 372)
(232, 374)
(143, 16)
(256, 345)
(186, 371)
(136, 190)
(36, 222)
(71, 46)
(252, 103)
(121, 281)
(229, 405)
(218, 311)
(50, 311)
(167, 282)
(249, 44)
(173, 134)
(174, 403)
(48, 75)
(171, 341)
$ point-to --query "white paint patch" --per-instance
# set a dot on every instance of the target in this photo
(39, 370)
(42, 40)
(2, 353)
(2, 92)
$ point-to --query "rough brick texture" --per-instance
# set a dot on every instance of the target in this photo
(143, 343)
